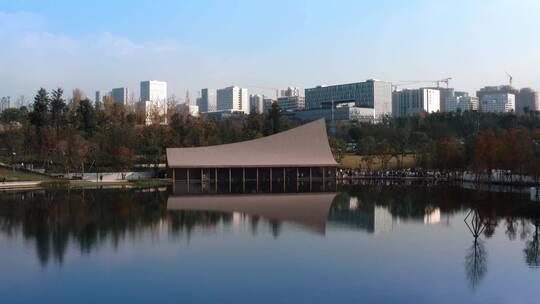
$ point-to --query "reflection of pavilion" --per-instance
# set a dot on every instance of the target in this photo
(306, 209)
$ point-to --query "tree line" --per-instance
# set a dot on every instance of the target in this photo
(77, 135)
(460, 141)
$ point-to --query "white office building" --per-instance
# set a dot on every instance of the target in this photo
(256, 103)
(462, 103)
(233, 99)
(120, 95)
(371, 94)
(154, 99)
(289, 92)
(291, 103)
(414, 101)
(208, 101)
(498, 103)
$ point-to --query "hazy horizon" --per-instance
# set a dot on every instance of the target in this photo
(197, 44)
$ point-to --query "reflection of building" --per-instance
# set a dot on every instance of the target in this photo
(309, 210)
(432, 216)
(383, 220)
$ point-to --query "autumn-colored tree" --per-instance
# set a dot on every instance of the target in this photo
(449, 154)
(488, 149)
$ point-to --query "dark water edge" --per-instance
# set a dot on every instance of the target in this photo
(404, 243)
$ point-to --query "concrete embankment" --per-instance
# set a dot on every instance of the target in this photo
(19, 185)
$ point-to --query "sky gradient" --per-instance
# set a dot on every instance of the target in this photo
(212, 43)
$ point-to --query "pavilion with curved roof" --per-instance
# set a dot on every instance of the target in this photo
(301, 153)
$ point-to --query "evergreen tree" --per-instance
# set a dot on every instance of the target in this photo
(58, 109)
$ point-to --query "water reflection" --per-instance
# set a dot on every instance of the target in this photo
(476, 258)
(309, 210)
(58, 221)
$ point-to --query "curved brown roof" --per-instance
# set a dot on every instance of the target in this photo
(304, 146)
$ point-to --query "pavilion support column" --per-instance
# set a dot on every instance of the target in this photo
(310, 178)
(284, 185)
(187, 172)
(215, 178)
(202, 174)
(230, 180)
(323, 174)
(173, 180)
(243, 180)
(270, 179)
(297, 179)
(257, 181)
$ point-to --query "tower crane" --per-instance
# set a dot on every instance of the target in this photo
(413, 82)
(510, 78)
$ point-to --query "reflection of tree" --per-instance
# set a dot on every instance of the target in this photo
(532, 248)
(54, 218)
(476, 258)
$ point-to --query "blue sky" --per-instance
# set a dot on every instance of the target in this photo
(195, 44)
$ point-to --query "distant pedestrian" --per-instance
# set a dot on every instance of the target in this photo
(101, 178)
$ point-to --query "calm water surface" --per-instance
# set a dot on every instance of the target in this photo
(370, 243)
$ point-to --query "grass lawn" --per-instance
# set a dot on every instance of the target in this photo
(20, 176)
(354, 161)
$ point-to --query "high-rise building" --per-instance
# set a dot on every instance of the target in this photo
(289, 92)
(371, 94)
(267, 104)
(4, 103)
(527, 101)
(208, 100)
(120, 95)
(101, 95)
(414, 101)
(154, 99)
(462, 103)
(256, 103)
(233, 99)
(498, 103)
(291, 103)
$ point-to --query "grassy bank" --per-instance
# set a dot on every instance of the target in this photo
(21, 176)
(355, 161)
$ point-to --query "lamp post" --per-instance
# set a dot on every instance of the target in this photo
(13, 154)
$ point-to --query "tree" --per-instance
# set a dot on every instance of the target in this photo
(58, 109)
(383, 153)
(40, 110)
(487, 152)
(449, 154)
(367, 148)
(85, 118)
(274, 116)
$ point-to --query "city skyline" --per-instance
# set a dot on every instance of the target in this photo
(189, 46)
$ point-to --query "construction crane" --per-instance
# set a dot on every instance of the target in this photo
(510, 78)
(413, 82)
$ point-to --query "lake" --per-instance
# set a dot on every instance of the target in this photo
(367, 243)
